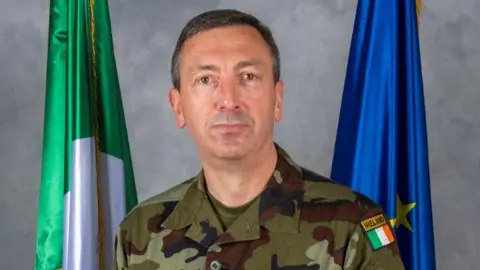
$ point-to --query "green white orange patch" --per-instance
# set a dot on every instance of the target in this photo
(377, 231)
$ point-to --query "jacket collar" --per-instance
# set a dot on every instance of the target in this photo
(277, 208)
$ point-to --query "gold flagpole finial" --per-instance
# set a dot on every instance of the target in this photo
(418, 5)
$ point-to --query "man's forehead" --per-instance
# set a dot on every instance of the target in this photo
(226, 48)
(234, 32)
(226, 40)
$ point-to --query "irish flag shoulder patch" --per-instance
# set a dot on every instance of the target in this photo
(377, 231)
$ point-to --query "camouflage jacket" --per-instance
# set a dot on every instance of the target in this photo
(301, 221)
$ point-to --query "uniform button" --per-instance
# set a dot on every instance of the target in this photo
(215, 265)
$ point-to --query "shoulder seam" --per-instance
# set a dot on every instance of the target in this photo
(164, 196)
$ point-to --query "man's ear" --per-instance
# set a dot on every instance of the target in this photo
(174, 100)
(278, 100)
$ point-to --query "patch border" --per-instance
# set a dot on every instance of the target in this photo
(387, 222)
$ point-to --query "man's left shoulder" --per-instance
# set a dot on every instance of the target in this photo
(353, 217)
(319, 188)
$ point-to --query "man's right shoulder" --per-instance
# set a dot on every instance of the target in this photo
(159, 206)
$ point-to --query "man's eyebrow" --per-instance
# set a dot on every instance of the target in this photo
(201, 67)
(239, 65)
(249, 63)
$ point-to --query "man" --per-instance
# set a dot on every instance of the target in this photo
(251, 206)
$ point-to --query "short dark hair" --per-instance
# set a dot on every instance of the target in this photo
(222, 18)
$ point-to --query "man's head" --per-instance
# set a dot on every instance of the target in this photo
(226, 83)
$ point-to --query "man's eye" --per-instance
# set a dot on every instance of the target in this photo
(204, 80)
(249, 76)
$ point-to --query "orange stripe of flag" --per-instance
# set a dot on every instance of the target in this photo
(388, 232)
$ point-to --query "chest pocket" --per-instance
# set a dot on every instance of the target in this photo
(169, 252)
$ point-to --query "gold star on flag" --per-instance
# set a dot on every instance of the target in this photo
(402, 212)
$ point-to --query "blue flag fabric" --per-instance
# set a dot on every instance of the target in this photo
(381, 145)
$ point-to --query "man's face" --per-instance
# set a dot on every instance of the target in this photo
(228, 98)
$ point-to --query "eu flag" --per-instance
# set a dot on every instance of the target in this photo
(381, 145)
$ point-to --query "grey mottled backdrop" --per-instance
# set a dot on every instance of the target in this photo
(314, 38)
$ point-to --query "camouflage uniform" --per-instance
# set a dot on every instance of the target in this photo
(300, 221)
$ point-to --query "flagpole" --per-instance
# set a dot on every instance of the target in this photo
(96, 132)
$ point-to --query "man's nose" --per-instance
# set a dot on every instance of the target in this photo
(228, 96)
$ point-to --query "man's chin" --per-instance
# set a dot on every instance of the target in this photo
(230, 153)
(231, 150)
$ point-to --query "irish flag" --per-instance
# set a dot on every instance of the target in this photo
(87, 181)
(378, 231)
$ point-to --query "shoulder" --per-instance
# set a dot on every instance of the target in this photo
(159, 206)
(323, 192)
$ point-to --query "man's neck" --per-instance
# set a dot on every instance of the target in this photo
(241, 182)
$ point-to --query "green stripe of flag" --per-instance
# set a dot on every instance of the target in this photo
(374, 239)
(54, 171)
